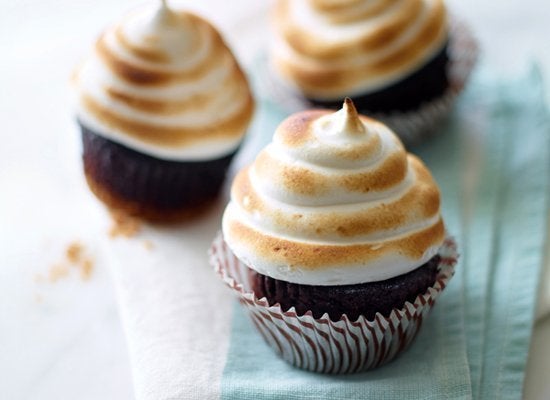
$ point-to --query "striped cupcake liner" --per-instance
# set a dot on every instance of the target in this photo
(411, 126)
(323, 345)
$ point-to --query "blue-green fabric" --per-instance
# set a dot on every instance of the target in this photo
(492, 162)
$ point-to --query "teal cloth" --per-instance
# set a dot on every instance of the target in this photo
(492, 162)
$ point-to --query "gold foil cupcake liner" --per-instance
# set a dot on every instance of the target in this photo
(411, 126)
(323, 345)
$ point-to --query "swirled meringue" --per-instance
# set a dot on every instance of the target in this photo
(334, 199)
(330, 49)
(163, 82)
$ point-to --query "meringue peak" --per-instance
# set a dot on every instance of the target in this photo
(351, 123)
(344, 124)
(165, 15)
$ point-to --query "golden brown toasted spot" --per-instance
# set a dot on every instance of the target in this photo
(150, 76)
(331, 6)
(311, 77)
(352, 123)
(129, 72)
(232, 127)
(295, 130)
(302, 181)
(392, 171)
(161, 107)
(362, 151)
(243, 194)
(429, 187)
(384, 217)
(421, 201)
(298, 180)
(150, 54)
(387, 33)
(418, 44)
(350, 14)
(318, 256)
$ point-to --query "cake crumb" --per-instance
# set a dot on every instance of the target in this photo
(124, 225)
(148, 245)
(38, 298)
(86, 269)
(57, 272)
(75, 259)
(74, 252)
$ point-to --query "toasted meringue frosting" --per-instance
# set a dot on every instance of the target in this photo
(330, 49)
(334, 199)
(163, 82)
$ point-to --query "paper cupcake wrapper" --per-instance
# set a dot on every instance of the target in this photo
(411, 126)
(323, 345)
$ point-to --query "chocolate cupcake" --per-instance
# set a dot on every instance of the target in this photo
(403, 62)
(335, 222)
(388, 55)
(163, 106)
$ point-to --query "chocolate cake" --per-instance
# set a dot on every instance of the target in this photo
(428, 83)
(353, 300)
(163, 107)
(147, 186)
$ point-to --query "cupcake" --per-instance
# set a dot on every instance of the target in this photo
(163, 107)
(391, 57)
(335, 223)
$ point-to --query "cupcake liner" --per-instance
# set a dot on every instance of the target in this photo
(411, 126)
(323, 345)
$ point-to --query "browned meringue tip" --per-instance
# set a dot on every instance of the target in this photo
(166, 14)
(352, 122)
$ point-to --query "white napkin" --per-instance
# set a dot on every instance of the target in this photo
(175, 311)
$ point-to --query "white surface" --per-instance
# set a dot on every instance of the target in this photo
(64, 339)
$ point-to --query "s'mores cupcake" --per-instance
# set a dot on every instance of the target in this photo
(163, 107)
(335, 223)
(392, 57)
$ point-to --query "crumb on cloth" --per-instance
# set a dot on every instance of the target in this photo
(76, 258)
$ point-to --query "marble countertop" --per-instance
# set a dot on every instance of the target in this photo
(60, 333)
